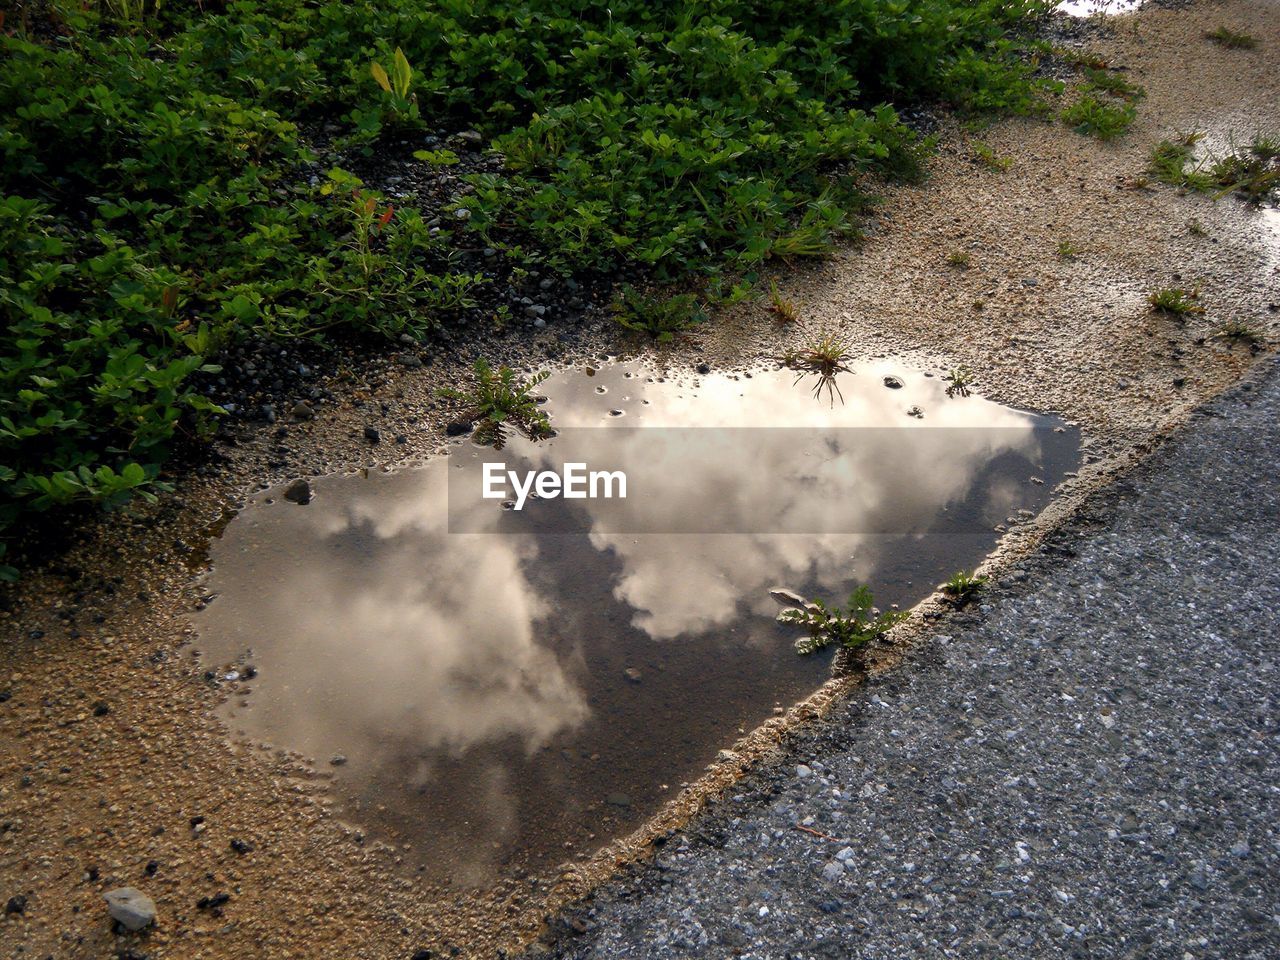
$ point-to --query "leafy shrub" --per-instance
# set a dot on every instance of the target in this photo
(157, 200)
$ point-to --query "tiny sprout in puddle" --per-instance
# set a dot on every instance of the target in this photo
(961, 379)
(826, 356)
(500, 398)
(852, 626)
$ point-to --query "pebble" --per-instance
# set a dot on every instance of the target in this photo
(130, 907)
(832, 870)
(299, 492)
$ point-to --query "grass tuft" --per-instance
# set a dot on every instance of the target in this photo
(1232, 40)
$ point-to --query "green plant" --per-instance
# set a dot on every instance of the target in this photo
(662, 318)
(1109, 81)
(1068, 250)
(963, 587)
(1176, 301)
(783, 310)
(960, 259)
(824, 355)
(1251, 171)
(1196, 228)
(1093, 116)
(403, 103)
(498, 398)
(961, 379)
(989, 158)
(1225, 37)
(852, 626)
(1237, 331)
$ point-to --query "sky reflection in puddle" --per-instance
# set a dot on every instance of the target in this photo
(504, 701)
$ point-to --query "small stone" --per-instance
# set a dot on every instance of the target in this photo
(372, 434)
(832, 870)
(458, 428)
(618, 800)
(130, 907)
(302, 411)
(803, 772)
(337, 760)
(462, 213)
(703, 367)
(786, 597)
(241, 846)
(633, 675)
(845, 854)
(893, 383)
(299, 492)
(16, 904)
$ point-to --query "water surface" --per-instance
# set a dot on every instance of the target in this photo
(505, 700)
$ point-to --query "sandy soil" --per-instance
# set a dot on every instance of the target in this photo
(110, 744)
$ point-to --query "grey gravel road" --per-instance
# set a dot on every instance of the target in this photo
(1088, 766)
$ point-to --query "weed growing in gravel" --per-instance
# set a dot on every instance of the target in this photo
(824, 355)
(1068, 250)
(959, 259)
(1096, 117)
(961, 379)
(1113, 83)
(1237, 331)
(1176, 301)
(1251, 171)
(500, 397)
(662, 318)
(852, 626)
(1226, 37)
(1196, 228)
(989, 158)
(963, 587)
(783, 310)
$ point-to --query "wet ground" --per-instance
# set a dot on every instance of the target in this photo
(500, 689)
(115, 767)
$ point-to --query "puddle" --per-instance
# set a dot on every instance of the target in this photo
(505, 701)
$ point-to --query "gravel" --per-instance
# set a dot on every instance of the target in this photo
(1088, 765)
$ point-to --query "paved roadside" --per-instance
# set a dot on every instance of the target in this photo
(1088, 767)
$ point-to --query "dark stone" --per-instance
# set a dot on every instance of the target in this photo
(458, 428)
(372, 435)
(241, 846)
(299, 492)
(703, 367)
(16, 904)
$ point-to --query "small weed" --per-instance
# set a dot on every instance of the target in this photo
(1196, 228)
(1082, 58)
(989, 158)
(852, 626)
(1237, 331)
(825, 355)
(1095, 117)
(498, 398)
(1113, 83)
(962, 587)
(1176, 301)
(783, 310)
(1226, 37)
(396, 86)
(960, 260)
(961, 378)
(1251, 171)
(661, 318)
(1068, 250)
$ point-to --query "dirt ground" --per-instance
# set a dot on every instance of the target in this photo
(114, 769)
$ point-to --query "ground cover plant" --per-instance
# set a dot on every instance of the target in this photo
(178, 177)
